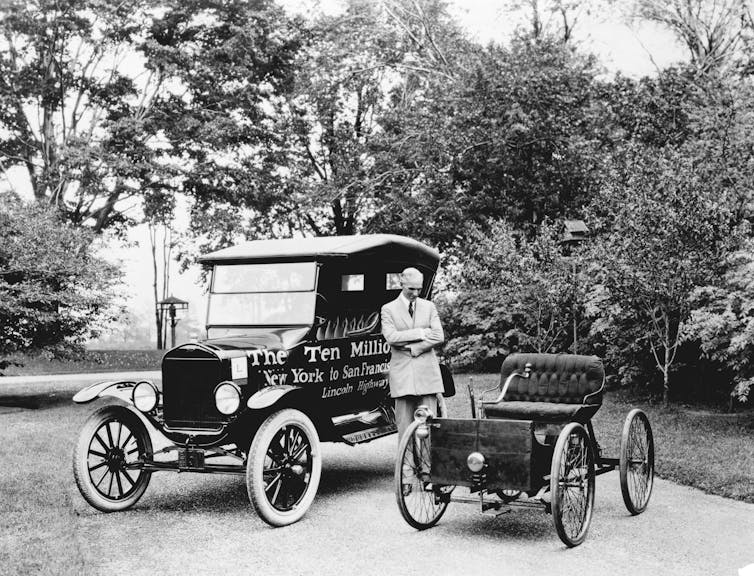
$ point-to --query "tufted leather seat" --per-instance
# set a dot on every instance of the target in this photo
(561, 388)
(348, 325)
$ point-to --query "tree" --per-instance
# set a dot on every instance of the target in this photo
(722, 322)
(505, 282)
(664, 229)
(72, 118)
(554, 19)
(517, 135)
(713, 32)
(226, 66)
(290, 148)
(54, 292)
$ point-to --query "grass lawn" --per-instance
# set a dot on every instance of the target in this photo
(92, 361)
(710, 450)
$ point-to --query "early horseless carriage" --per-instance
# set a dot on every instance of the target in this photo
(533, 445)
(293, 356)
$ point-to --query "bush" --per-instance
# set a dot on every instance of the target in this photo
(54, 292)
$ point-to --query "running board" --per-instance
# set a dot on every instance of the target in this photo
(369, 434)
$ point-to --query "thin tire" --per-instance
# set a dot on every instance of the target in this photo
(637, 461)
(421, 504)
(572, 483)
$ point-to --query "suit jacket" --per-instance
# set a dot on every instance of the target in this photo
(414, 369)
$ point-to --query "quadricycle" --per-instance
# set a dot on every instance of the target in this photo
(532, 445)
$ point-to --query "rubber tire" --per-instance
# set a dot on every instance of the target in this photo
(255, 467)
(556, 492)
(438, 509)
(81, 456)
(633, 507)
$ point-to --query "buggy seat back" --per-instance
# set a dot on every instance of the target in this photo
(561, 388)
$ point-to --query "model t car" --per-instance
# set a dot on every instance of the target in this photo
(532, 445)
(293, 356)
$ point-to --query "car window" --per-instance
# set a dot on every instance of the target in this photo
(261, 309)
(352, 283)
(393, 281)
(277, 277)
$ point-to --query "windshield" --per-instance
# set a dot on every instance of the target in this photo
(262, 294)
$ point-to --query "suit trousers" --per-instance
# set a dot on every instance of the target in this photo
(405, 406)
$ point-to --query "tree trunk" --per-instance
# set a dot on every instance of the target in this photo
(666, 377)
(157, 312)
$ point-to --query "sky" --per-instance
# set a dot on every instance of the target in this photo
(634, 51)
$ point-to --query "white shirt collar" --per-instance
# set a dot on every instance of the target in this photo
(405, 300)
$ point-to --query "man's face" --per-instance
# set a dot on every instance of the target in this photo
(411, 288)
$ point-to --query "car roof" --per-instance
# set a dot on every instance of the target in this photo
(322, 247)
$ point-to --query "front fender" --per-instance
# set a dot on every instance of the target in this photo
(121, 390)
(266, 397)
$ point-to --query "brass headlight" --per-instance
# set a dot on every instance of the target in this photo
(475, 462)
(144, 396)
(227, 398)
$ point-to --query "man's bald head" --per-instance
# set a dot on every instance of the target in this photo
(411, 283)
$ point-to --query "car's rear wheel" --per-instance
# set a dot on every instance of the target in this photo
(108, 458)
(284, 467)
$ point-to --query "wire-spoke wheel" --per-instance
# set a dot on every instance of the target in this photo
(420, 502)
(284, 467)
(108, 458)
(572, 482)
(637, 461)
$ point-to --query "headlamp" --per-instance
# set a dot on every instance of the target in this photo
(144, 396)
(227, 398)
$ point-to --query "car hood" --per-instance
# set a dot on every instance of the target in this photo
(258, 338)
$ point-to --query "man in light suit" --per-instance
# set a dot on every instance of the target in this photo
(412, 327)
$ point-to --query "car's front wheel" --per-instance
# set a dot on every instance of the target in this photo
(108, 459)
(284, 467)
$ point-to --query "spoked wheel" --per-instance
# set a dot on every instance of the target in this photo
(108, 458)
(572, 481)
(420, 502)
(637, 461)
(284, 467)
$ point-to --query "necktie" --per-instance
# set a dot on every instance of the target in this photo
(411, 309)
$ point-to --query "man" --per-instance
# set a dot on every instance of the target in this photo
(412, 327)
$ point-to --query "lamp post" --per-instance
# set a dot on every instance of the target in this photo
(172, 305)
(574, 233)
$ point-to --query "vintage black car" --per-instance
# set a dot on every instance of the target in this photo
(293, 356)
